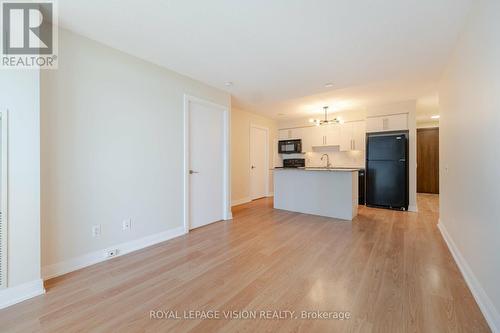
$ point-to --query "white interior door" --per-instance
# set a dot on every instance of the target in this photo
(258, 162)
(206, 164)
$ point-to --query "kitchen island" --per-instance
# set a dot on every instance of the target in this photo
(330, 192)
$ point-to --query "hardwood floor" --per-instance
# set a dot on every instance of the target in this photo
(390, 270)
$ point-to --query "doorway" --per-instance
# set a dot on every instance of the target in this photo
(206, 181)
(259, 162)
(428, 160)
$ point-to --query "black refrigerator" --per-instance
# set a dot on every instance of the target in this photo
(387, 170)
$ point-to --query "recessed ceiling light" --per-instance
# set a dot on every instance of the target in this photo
(328, 85)
(435, 116)
(228, 84)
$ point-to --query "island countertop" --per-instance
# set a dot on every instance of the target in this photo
(331, 192)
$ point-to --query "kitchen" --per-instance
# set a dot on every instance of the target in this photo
(323, 167)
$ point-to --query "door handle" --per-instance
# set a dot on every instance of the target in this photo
(402, 160)
(252, 167)
(191, 172)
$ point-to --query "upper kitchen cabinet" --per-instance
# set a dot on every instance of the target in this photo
(284, 134)
(313, 136)
(303, 133)
(325, 136)
(291, 133)
(393, 122)
(359, 135)
(353, 136)
(332, 135)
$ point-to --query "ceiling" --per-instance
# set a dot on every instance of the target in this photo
(279, 54)
(428, 106)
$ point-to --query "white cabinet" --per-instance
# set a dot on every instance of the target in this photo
(302, 133)
(284, 134)
(359, 135)
(291, 133)
(353, 136)
(326, 135)
(317, 136)
(346, 137)
(313, 136)
(332, 135)
(393, 122)
(308, 139)
(296, 133)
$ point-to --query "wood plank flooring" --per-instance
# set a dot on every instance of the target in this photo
(390, 270)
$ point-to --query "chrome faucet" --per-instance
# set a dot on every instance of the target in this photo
(328, 164)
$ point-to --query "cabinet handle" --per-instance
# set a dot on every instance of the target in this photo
(353, 145)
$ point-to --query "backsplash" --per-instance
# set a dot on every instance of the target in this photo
(337, 158)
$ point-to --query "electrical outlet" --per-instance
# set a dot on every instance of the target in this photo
(111, 253)
(96, 230)
(127, 224)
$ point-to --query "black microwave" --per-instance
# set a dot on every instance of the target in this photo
(290, 146)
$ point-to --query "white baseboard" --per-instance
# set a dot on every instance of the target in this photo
(270, 194)
(16, 294)
(487, 307)
(240, 201)
(413, 208)
(95, 257)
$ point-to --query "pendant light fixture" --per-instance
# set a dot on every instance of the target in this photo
(320, 122)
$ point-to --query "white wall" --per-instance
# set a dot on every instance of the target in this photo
(240, 152)
(19, 93)
(428, 124)
(112, 148)
(469, 127)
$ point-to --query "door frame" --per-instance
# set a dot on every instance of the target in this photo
(252, 125)
(4, 204)
(226, 193)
